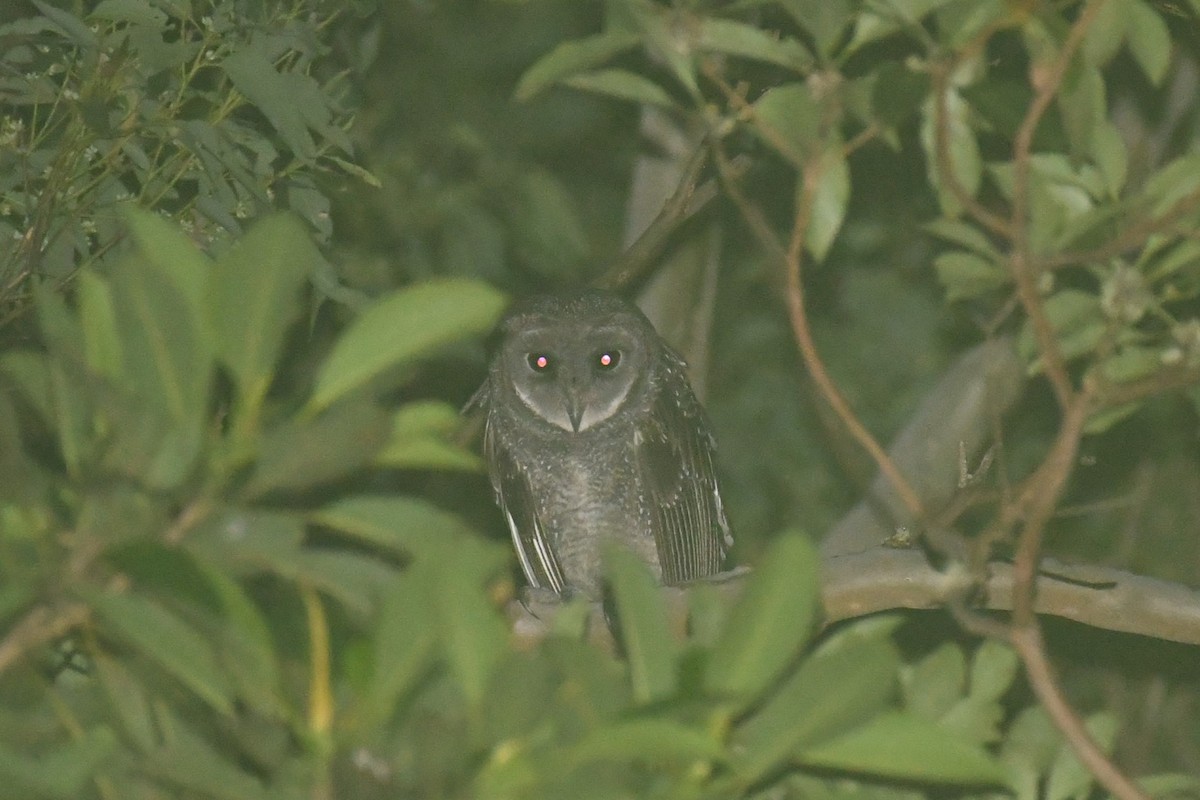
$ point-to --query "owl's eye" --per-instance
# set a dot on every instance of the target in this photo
(608, 359)
(539, 362)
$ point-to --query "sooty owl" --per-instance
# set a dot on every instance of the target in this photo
(593, 433)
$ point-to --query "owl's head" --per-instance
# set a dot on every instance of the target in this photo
(575, 360)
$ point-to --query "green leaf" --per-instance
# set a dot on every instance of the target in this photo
(405, 640)
(572, 57)
(823, 19)
(829, 202)
(407, 525)
(97, 314)
(63, 773)
(167, 640)
(936, 682)
(70, 25)
(1078, 323)
(168, 368)
(196, 766)
(847, 681)
(770, 621)
(654, 741)
(964, 235)
(1071, 780)
(904, 746)
(650, 646)
(254, 301)
(423, 437)
(248, 650)
(176, 258)
(473, 634)
(623, 85)
(402, 327)
(966, 164)
(306, 452)
(747, 41)
(1149, 41)
(787, 118)
(292, 102)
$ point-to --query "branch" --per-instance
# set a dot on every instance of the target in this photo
(887, 579)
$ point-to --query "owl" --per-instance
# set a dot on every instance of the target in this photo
(592, 433)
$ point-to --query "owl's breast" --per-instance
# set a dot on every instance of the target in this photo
(591, 494)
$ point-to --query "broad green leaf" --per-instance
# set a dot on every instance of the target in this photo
(823, 19)
(198, 767)
(935, 683)
(623, 85)
(168, 641)
(850, 679)
(306, 451)
(650, 646)
(405, 641)
(291, 101)
(1107, 32)
(1110, 157)
(993, 670)
(829, 202)
(402, 327)
(965, 235)
(1078, 323)
(248, 541)
(770, 621)
(897, 93)
(129, 700)
(1083, 107)
(176, 258)
(473, 634)
(63, 773)
(254, 301)
(1028, 751)
(655, 741)
(423, 437)
(739, 39)
(248, 650)
(354, 580)
(908, 747)
(1149, 41)
(962, 151)
(400, 524)
(166, 345)
(1132, 363)
(787, 118)
(70, 25)
(1071, 780)
(572, 57)
(97, 314)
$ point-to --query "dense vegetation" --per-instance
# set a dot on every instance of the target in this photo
(252, 252)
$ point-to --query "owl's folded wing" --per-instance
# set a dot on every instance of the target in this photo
(515, 498)
(675, 455)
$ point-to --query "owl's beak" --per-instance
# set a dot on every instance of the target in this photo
(575, 408)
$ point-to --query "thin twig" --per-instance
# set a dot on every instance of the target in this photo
(793, 257)
(1021, 262)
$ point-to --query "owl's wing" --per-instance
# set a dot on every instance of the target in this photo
(515, 498)
(675, 456)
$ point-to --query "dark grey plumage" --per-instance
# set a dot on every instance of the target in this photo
(593, 433)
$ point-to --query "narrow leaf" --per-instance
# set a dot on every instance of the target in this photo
(649, 644)
(829, 202)
(739, 39)
(904, 746)
(771, 620)
(402, 327)
(408, 525)
(254, 300)
(645, 740)
(623, 85)
(168, 641)
(572, 57)
(849, 680)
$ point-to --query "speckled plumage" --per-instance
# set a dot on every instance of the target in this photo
(593, 433)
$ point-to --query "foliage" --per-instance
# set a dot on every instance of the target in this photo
(204, 112)
(228, 568)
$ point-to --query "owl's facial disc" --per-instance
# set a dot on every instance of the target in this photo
(574, 377)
